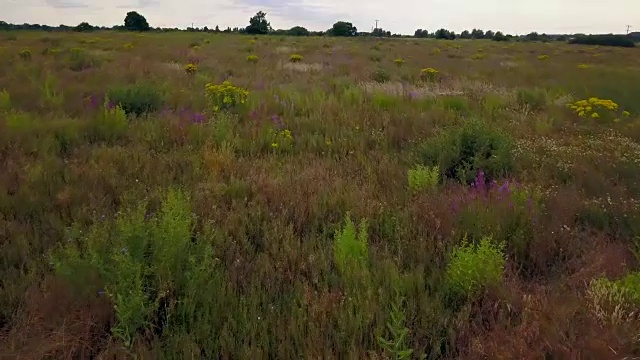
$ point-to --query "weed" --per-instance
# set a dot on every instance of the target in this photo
(422, 178)
(226, 96)
(380, 76)
(397, 346)
(137, 99)
(295, 58)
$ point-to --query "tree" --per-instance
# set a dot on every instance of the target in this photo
(258, 24)
(421, 33)
(499, 36)
(217, 29)
(343, 28)
(477, 34)
(445, 34)
(533, 36)
(136, 22)
(298, 31)
(83, 27)
(489, 34)
(465, 35)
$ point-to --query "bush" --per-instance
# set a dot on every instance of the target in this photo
(464, 150)
(252, 58)
(380, 76)
(422, 178)
(136, 99)
(604, 40)
(615, 301)
(350, 248)
(226, 96)
(473, 269)
(79, 60)
(25, 54)
(535, 99)
(151, 267)
(295, 58)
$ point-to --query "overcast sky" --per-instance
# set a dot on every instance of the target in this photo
(398, 16)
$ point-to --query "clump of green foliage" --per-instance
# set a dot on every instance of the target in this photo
(463, 150)
(380, 75)
(5, 100)
(252, 58)
(474, 268)
(351, 248)
(604, 40)
(25, 54)
(137, 99)
(422, 178)
(295, 58)
(151, 267)
(397, 346)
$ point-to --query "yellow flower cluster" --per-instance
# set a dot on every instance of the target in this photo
(589, 107)
(128, 46)
(282, 139)
(191, 69)
(429, 74)
(225, 96)
(398, 61)
(252, 58)
(295, 58)
(543, 57)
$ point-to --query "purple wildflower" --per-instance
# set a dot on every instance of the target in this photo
(277, 121)
(198, 118)
(101, 292)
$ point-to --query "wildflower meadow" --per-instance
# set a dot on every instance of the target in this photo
(222, 196)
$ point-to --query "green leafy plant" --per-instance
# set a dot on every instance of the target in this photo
(80, 60)
(380, 76)
(148, 266)
(351, 248)
(226, 96)
(465, 149)
(474, 268)
(422, 178)
(25, 54)
(252, 58)
(615, 301)
(137, 99)
(397, 346)
(5, 100)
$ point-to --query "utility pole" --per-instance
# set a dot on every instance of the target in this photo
(377, 23)
(628, 28)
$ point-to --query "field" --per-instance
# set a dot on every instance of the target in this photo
(396, 198)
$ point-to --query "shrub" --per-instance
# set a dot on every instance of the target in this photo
(191, 69)
(111, 124)
(604, 40)
(462, 151)
(397, 346)
(595, 108)
(252, 58)
(421, 178)
(535, 99)
(474, 268)
(137, 99)
(380, 76)
(79, 60)
(295, 58)
(543, 57)
(151, 267)
(398, 61)
(226, 96)
(351, 248)
(429, 74)
(25, 54)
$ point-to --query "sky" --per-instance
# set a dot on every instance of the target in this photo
(397, 16)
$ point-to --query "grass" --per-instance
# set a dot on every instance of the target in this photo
(151, 212)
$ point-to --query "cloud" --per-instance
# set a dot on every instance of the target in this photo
(66, 4)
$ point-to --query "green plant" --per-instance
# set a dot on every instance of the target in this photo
(5, 100)
(149, 266)
(429, 74)
(50, 95)
(543, 57)
(397, 346)
(295, 58)
(463, 150)
(615, 301)
(474, 268)
(79, 60)
(226, 96)
(422, 178)
(136, 99)
(535, 99)
(351, 248)
(25, 54)
(380, 76)
(111, 123)
(399, 62)
(252, 58)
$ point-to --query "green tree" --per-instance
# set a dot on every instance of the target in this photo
(258, 24)
(298, 31)
(83, 27)
(343, 28)
(477, 34)
(465, 35)
(499, 36)
(445, 34)
(136, 22)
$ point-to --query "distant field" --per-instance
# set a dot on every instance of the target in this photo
(396, 198)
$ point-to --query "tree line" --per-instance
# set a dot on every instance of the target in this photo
(259, 25)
